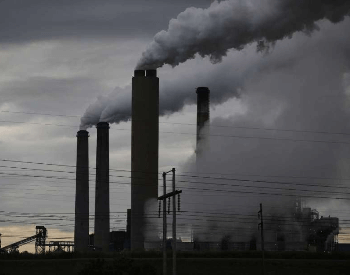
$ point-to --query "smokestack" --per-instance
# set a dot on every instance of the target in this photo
(128, 224)
(81, 229)
(102, 188)
(203, 114)
(144, 149)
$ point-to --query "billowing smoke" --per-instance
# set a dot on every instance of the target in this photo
(233, 24)
(114, 108)
(212, 32)
(174, 95)
(303, 86)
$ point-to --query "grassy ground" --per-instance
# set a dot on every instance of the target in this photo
(187, 266)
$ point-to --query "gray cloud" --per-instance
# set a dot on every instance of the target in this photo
(23, 21)
(49, 94)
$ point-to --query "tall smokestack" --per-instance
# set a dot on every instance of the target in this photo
(144, 150)
(203, 115)
(102, 188)
(81, 229)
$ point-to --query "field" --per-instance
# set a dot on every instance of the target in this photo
(186, 266)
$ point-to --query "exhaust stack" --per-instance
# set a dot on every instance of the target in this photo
(144, 149)
(102, 239)
(81, 228)
(203, 115)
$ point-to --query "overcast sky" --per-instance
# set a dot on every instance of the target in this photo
(58, 57)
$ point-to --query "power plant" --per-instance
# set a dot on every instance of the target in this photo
(144, 150)
(310, 232)
(144, 185)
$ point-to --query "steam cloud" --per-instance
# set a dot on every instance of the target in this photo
(304, 84)
(212, 32)
(233, 25)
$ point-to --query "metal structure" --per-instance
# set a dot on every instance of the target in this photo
(40, 239)
(203, 114)
(164, 198)
(40, 243)
(81, 228)
(60, 246)
(144, 150)
(14, 246)
(102, 188)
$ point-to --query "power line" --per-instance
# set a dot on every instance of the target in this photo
(266, 181)
(221, 190)
(211, 135)
(194, 176)
(265, 176)
(204, 189)
(64, 165)
(181, 175)
(42, 114)
(193, 124)
(37, 123)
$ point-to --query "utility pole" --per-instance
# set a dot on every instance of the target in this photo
(163, 198)
(164, 225)
(174, 225)
(261, 227)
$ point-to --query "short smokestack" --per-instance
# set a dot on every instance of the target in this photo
(144, 150)
(81, 228)
(128, 224)
(102, 188)
(203, 114)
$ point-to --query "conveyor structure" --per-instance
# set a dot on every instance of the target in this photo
(39, 238)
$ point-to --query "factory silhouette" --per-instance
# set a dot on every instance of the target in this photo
(303, 230)
(306, 231)
(313, 233)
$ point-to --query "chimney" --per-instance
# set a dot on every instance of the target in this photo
(203, 114)
(128, 224)
(101, 238)
(144, 149)
(81, 229)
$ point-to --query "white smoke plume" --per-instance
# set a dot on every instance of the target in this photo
(303, 84)
(116, 107)
(212, 32)
(234, 24)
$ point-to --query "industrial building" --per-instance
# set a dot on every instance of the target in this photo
(302, 229)
(118, 240)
